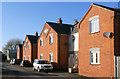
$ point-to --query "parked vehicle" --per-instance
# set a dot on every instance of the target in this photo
(15, 61)
(25, 63)
(11, 61)
(42, 65)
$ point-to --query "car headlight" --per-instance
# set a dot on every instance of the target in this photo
(42, 66)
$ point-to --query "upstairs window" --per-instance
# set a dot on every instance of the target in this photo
(28, 46)
(51, 57)
(45, 31)
(41, 56)
(94, 24)
(51, 38)
(41, 42)
(94, 56)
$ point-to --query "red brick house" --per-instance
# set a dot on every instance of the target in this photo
(53, 44)
(30, 47)
(20, 51)
(99, 42)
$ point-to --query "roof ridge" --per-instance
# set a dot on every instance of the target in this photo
(58, 23)
(32, 35)
(110, 8)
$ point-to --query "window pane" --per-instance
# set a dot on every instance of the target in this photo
(91, 26)
(96, 57)
(51, 39)
(41, 42)
(91, 57)
(51, 58)
(96, 25)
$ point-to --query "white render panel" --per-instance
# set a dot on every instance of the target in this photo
(71, 43)
(76, 42)
(74, 45)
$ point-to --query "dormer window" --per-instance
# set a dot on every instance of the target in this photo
(94, 24)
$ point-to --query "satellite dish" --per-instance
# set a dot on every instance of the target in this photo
(106, 34)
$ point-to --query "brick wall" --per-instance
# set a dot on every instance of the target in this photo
(48, 48)
(96, 40)
(27, 51)
(64, 51)
(19, 52)
(34, 52)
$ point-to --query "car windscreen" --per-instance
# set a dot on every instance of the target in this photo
(43, 62)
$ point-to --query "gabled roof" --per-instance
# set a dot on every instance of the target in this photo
(61, 28)
(20, 45)
(113, 9)
(33, 39)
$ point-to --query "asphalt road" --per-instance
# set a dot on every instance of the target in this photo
(17, 72)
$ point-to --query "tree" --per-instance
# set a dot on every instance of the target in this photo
(11, 44)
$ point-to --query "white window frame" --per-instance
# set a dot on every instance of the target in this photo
(41, 39)
(41, 55)
(51, 38)
(29, 46)
(93, 52)
(51, 57)
(45, 31)
(94, 20)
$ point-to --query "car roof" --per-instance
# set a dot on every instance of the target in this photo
(40, 60)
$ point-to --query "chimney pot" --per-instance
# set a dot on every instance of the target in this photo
(75, 22)
(59, 21)
(36, 34)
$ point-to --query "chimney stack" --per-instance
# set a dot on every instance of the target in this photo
(36, 34)
(59, 21)
(75, 22)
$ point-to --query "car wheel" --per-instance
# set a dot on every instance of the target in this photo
(33, 68)
(38, 69)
